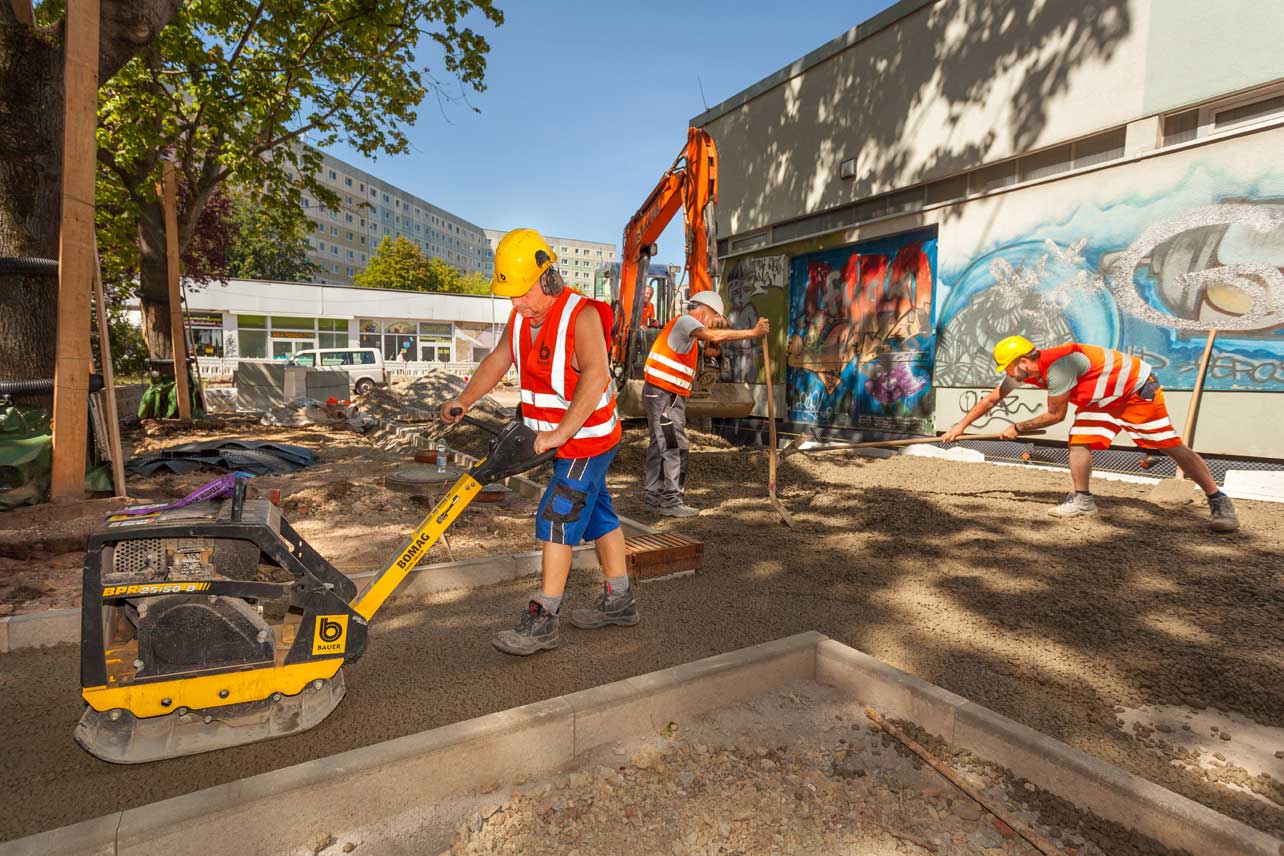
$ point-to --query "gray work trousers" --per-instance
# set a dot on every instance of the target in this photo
(666, 455)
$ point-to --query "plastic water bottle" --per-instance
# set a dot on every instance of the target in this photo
(441, 457)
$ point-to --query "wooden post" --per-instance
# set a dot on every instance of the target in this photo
(109, 382)
(176, 336)
(75, 249)
(22, 10)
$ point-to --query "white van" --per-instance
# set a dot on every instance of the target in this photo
(363, 365)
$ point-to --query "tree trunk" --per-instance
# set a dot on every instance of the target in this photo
(31, 121)
(153, 276)
(30, 204)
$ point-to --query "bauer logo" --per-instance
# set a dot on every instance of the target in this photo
(330, 634)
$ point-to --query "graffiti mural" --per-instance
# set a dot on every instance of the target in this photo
(754, 288)
(860, 335)
(1150, 277)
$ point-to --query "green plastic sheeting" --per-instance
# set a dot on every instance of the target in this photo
(26, 458)
(160, 400)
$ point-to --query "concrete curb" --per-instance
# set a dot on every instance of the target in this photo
(366, 785)
(58, 626)
(1087, 782)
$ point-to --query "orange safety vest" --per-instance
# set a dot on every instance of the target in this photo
(548, 380)
(1111, 376)
(668, 369)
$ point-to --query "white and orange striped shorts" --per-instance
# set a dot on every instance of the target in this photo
(1146, 422)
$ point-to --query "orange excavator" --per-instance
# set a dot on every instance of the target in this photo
(691, 185)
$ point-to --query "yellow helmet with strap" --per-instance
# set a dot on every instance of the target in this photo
(1009, 350)
(520, 259)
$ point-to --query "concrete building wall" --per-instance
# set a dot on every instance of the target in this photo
(371, 209)
(952, 172)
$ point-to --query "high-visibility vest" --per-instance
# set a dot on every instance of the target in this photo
(1111, 376)
(548, 380)
(668, 369)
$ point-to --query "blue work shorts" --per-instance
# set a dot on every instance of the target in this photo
(576, 506)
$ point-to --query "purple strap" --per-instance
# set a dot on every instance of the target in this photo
(217, 489)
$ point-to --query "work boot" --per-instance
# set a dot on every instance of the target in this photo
(1224, 518)
(1075, 505)
(537, 631)
(611, 608)
(679, 510)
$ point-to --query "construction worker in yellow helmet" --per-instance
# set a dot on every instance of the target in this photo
(558, 340)
(1112, 392)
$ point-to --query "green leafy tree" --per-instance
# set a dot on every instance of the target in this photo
(31, 95)
(233, 88)
(270, 243)
(398, 264)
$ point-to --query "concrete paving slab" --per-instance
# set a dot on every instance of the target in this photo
(255, 815)
(37, 629)
(648, 703)
(888, 690)
(95, 837)
(1092, 784)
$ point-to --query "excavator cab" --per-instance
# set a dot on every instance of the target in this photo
(690, 185)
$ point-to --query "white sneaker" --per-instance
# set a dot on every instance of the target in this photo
(1075, 505)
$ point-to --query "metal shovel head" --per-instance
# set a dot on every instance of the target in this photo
(121, 737)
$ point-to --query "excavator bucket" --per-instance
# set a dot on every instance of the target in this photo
(216, 624)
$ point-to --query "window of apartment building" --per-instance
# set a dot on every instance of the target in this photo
(351, 254)
(332, 175)
(347, 182)
(385, 199)
(362, 188)
(363, 240)
(349, 236)
(334, 232)
(374, 194)
(363, 258)
(321, 246)
(350, 271)
(307, 203)
(334, 249)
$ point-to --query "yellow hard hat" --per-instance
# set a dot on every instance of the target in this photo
(1010, 350)
(520, 259)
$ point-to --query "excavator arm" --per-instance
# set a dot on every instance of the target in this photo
(690, 185)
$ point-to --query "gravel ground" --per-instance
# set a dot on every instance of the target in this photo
(950, 571)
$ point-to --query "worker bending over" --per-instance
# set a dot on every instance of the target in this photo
(557, 338)
(668, 375)
(1112, 391)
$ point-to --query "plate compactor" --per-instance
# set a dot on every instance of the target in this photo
(216, 624)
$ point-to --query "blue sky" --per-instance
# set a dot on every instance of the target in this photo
(588, 103)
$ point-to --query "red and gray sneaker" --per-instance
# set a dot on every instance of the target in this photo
(611, 608)
(537, 631)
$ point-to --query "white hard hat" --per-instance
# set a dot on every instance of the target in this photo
(711, 299)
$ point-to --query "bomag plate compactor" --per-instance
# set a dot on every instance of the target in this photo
(216, 624)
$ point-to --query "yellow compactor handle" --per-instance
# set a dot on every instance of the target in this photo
(438, 521)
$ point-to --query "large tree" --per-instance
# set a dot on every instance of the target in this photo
(235, 87)
(31, 127)
(400, 263)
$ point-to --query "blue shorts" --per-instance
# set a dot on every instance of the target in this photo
(576, 506)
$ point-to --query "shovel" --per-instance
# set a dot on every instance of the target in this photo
(771, 432)
(1177, 490)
